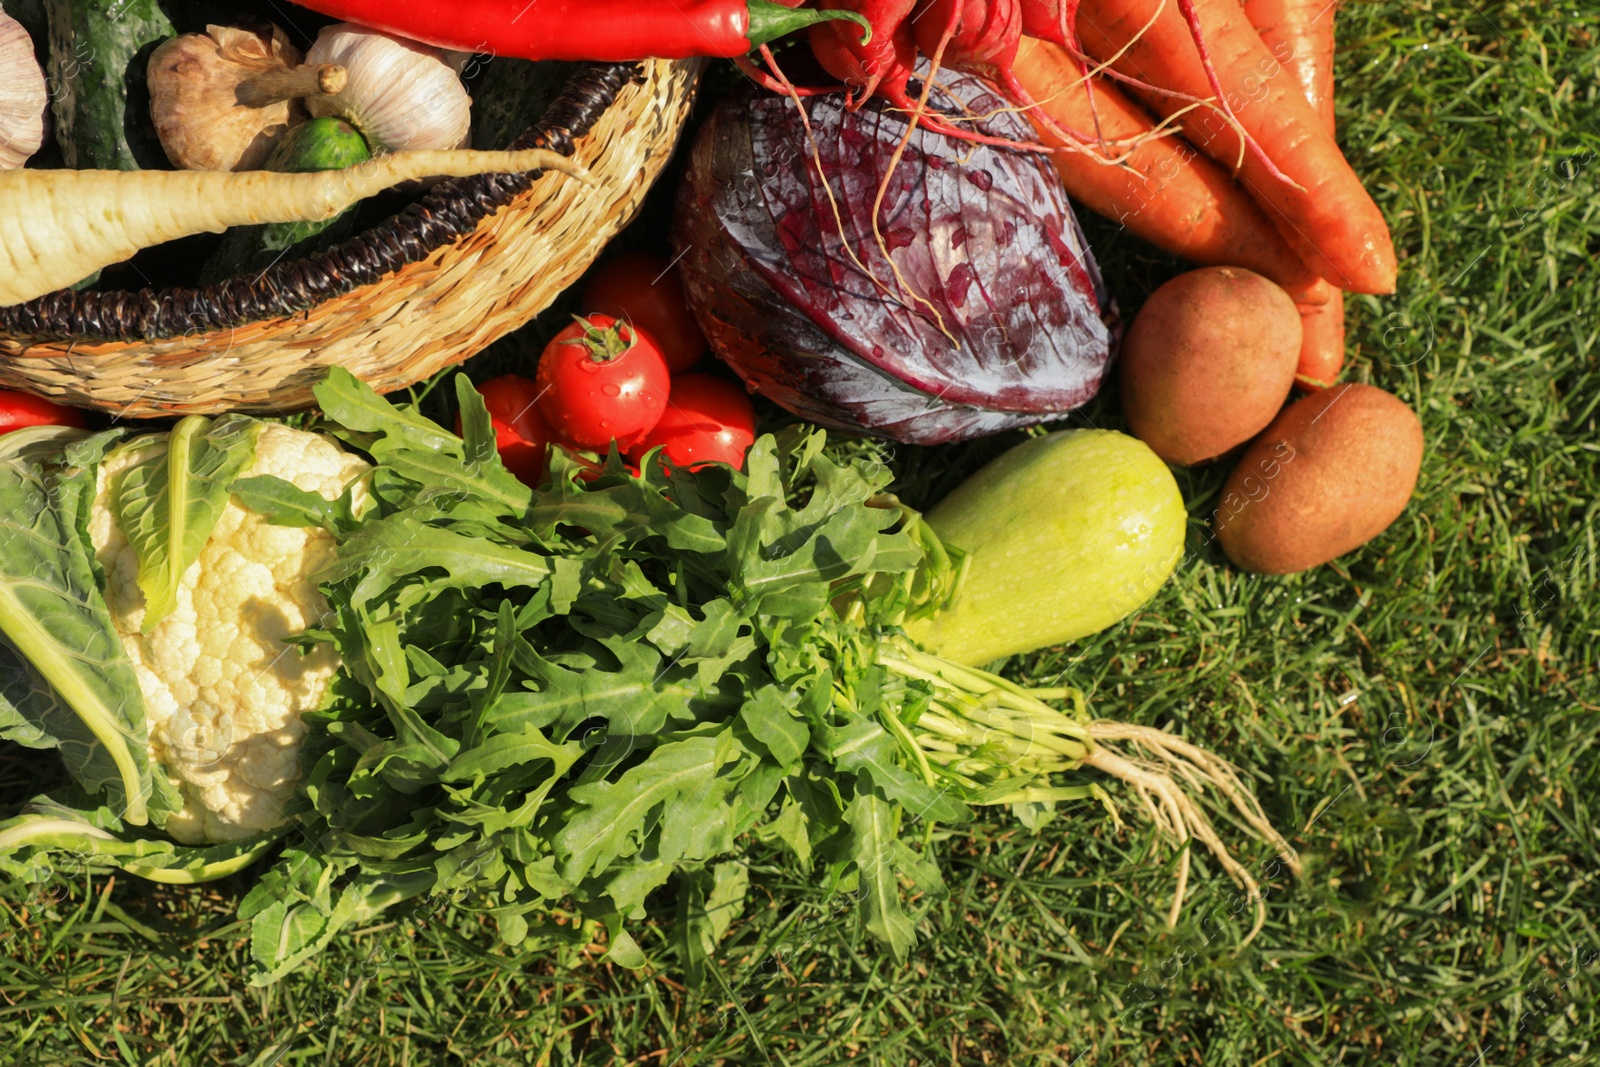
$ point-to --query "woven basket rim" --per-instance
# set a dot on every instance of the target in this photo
(448, 211)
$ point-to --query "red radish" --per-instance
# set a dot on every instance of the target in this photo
(977, 36)
(1052, 20)
(883, 67)
(888, 57)
(981, 37)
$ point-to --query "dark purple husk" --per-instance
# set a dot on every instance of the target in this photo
(984, 235)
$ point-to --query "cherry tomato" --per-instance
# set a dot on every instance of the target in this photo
(600, 380)
(520, 432)
(708, 420)
(18, 410)
(643, 288)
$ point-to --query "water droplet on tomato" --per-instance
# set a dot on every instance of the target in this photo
(611, 389)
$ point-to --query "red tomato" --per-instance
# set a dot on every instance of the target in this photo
(643, 288)
(18, 410)
(708, 420)
(520, 432)
(600, 381)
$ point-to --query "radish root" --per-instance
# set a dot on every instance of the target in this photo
(999, 743)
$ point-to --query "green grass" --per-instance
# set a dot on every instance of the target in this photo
(1424, 715)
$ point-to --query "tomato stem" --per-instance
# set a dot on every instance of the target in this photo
(605, 343)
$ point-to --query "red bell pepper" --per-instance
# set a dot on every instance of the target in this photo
(613, 31)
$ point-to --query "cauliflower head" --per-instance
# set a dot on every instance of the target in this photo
(223, 690)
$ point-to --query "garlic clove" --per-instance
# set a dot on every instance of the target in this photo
(23, 97)
(221, 100)
(402, 95)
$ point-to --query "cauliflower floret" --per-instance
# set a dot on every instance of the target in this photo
(223, 693)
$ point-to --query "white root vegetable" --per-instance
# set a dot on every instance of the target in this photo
(59, 226)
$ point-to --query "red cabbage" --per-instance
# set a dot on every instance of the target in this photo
(984, 236)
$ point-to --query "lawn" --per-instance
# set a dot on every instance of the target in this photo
(1424, 716)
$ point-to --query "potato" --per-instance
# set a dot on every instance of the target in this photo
(1208, 362)
(1329, 475)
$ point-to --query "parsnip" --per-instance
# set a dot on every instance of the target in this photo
(57, 226)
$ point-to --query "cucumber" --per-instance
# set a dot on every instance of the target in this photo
(98, 53)
(321, 144)
(510, 95)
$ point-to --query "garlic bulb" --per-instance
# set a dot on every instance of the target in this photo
(22, 96)
(221, 100)
(402, 95)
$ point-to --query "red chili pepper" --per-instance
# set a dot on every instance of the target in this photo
(613, 31)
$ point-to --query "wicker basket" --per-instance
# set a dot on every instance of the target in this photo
(471, 261)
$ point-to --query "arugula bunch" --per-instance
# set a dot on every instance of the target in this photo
(570, 698)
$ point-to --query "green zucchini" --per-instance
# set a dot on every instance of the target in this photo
(510, 95)
(321, 144)
(98, 53)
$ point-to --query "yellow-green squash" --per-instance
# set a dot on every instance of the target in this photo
(1066, 535)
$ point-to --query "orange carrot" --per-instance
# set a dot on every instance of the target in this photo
(1169, 194)
(1300, 34)
(1329, 220)
(1321, 344)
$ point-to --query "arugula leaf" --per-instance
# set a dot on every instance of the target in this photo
(359, 415)
(283, 503)
(385, 551)
(865, 746)
(507, 750)
(478, 441)
(709, 901)
(632, 701)
(768, 717)
(790, 827)
(418, 449)
(294, 913)
(614, 816)
(168, 503)
(873, 836)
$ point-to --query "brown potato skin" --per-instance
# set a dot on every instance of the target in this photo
(1208, 362)
(1330, 474)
